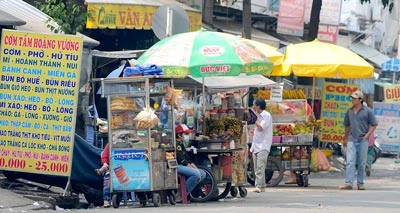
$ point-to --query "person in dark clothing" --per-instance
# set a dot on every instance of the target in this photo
(186, 167)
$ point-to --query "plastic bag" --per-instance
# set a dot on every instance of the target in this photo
(146, 119)
(319, 162)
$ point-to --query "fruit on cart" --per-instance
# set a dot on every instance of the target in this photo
(301, 128)
(284, 129)
(263, 94)
(215, 127)
(233, 125)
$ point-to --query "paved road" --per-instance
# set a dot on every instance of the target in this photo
(382, 194)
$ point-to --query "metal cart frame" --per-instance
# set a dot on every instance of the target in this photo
(150, 163)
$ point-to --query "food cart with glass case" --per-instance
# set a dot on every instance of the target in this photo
(142, 149)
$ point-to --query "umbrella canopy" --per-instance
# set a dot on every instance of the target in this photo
(205, 53)
(392, 65)
(319, 59)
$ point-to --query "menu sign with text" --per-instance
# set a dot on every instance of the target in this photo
(336, 101)
(38, 101)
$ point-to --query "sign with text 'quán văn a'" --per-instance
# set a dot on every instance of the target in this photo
(39, 76)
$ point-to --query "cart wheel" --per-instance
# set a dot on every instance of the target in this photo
(234, 191)
(225, 192)
(205, 190)
(242, 191)
(273, 172)
(115, 201)
(156, 199)
(172, 198)
(299, 179)
(305, 180)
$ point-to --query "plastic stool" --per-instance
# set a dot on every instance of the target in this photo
(182, 181)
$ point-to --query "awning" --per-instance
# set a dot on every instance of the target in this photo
(7, 19)
(369, 54)
(132, 14)
(224, 83)
(36, 20)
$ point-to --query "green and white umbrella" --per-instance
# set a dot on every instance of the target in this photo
(205, 53)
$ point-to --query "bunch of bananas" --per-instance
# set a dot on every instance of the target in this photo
(233, 125)
(294, 94)
(215, 127)
(263, 94)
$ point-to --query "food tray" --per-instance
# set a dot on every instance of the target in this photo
(302, 138)
(289, 138)
(276, 139)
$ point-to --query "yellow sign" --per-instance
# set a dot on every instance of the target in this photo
(391, 93)
(336, 101)
(38, 101)
(119, 16)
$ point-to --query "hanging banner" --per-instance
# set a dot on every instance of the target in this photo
(38, 101)
(336, 101)
(328, 33)
(329, 14)
(130, 16)
(391, 94)
(388, 130)
(291, 17)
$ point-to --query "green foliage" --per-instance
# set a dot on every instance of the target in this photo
(70, 16)
(385, 3)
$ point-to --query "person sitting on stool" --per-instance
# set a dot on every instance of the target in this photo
(186, 167)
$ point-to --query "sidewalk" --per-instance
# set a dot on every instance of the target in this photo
(12, 202)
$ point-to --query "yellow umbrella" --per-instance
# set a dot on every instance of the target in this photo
(324, 60)
(273, 55)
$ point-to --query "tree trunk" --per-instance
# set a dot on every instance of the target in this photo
(314, 20)
(208, 9)
(246, 19)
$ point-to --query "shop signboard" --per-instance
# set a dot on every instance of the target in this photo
(291, 17)
(336, 101)
(38, 101)
(130, 169)
(391, 94)
(276, 93)
(388, 117)
(328, 33)
(130, 16)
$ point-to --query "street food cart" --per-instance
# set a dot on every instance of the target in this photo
(142, 152)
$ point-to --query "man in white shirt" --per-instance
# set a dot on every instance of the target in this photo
(262, 141)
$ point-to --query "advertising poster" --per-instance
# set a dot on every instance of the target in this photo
(388, 117)
(38, 101)
(130, 169)
(336, 101)
(291, 17)
(391, 94)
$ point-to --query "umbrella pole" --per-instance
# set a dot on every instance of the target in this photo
(313, 93)
(394, 78)
(204, 97)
